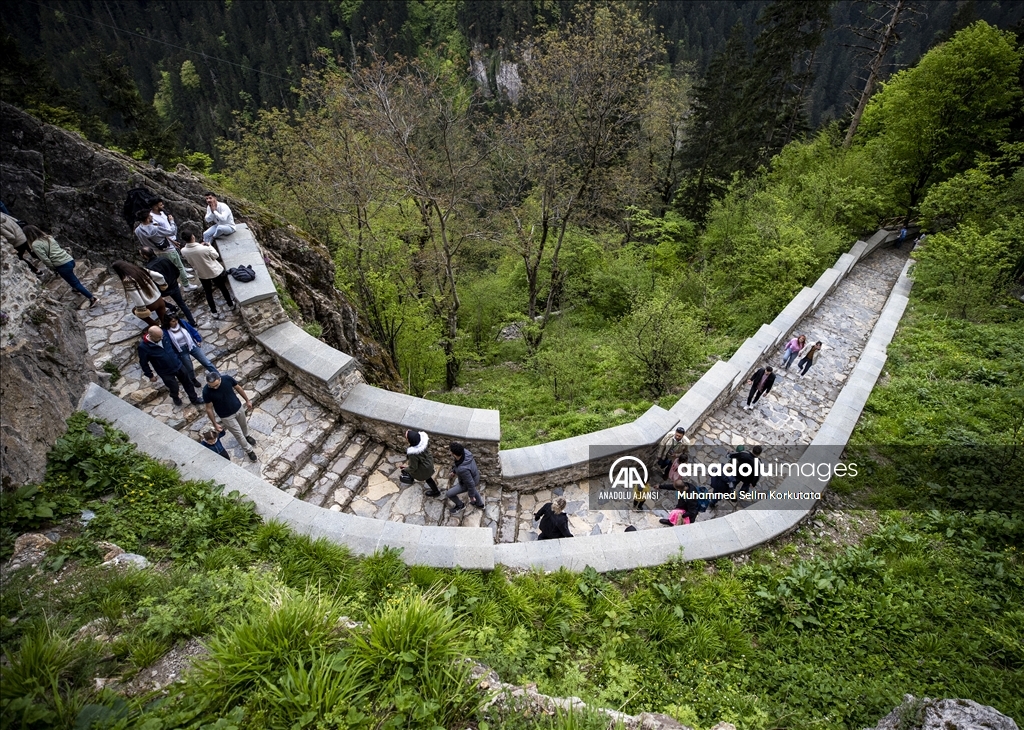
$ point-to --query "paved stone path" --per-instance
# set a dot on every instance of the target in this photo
(307, 451)
(789, 415)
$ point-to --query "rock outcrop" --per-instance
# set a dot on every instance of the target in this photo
(927, 714)
(44, 369)
(76, 189)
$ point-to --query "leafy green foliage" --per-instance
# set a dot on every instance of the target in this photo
(741, 634)
(967, 271)
(929, 122)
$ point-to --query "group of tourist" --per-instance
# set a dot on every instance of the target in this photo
(173, 341)
(463, 478)
(164, 274)
(763, 379)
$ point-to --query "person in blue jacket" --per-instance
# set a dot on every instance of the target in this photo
(184, 341)
(167, 366)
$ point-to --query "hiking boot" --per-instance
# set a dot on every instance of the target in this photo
(197, 402)
(665, 522)
(176, 401)
(456, 508)
(251, 440)
(481, 505)
(251, 455)
(432, 493)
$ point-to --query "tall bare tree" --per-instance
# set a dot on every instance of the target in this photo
(418, 117)
(578, 118)
(878, 35)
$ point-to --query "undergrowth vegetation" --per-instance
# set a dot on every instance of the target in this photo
(300, 633)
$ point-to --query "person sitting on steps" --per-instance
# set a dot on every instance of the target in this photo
(420, 463)
(219, 214)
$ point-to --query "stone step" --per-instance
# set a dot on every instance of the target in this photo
(299, 466)
(315, 481)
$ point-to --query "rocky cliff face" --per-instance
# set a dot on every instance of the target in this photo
(76, 189)
(44, 369)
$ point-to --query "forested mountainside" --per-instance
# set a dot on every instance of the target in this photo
(202, 64)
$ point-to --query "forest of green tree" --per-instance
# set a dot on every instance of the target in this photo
(657, 189)
(203, 63)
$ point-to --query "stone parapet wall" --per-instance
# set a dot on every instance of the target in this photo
(387, 415)
(262, 315)
(578, 458)
(318, 369)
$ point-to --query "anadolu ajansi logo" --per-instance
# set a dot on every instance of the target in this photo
(626, 475)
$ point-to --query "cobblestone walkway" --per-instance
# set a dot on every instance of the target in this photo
(302, 447)
(789, 415)
(306, 450)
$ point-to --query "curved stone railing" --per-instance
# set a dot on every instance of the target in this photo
(440, 547)
(333, 379)
(386, 415)
(534, 467)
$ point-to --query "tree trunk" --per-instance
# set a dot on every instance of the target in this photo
(887, 40)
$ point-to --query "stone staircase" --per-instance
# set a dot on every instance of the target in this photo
(303, 448)
(307, 451)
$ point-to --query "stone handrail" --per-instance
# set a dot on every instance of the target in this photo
(333, 379)
(439, 547)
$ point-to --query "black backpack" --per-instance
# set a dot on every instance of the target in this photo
(136, 200)
(242, 273)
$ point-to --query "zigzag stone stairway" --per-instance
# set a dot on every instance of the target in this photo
(303, 448)
(309, 452)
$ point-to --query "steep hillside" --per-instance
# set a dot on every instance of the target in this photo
(76, 189)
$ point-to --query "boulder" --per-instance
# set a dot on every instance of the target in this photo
(928, 714)
(127, 559)
(109, 550)
(44, 369)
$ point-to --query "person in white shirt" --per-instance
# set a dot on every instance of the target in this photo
(164, 222)
(219, 214)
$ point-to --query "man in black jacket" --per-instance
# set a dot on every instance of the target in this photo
(742, 457)
(166, 364)
(760, 384)
(169, 271)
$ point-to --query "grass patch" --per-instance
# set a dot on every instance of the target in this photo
(774, 641)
